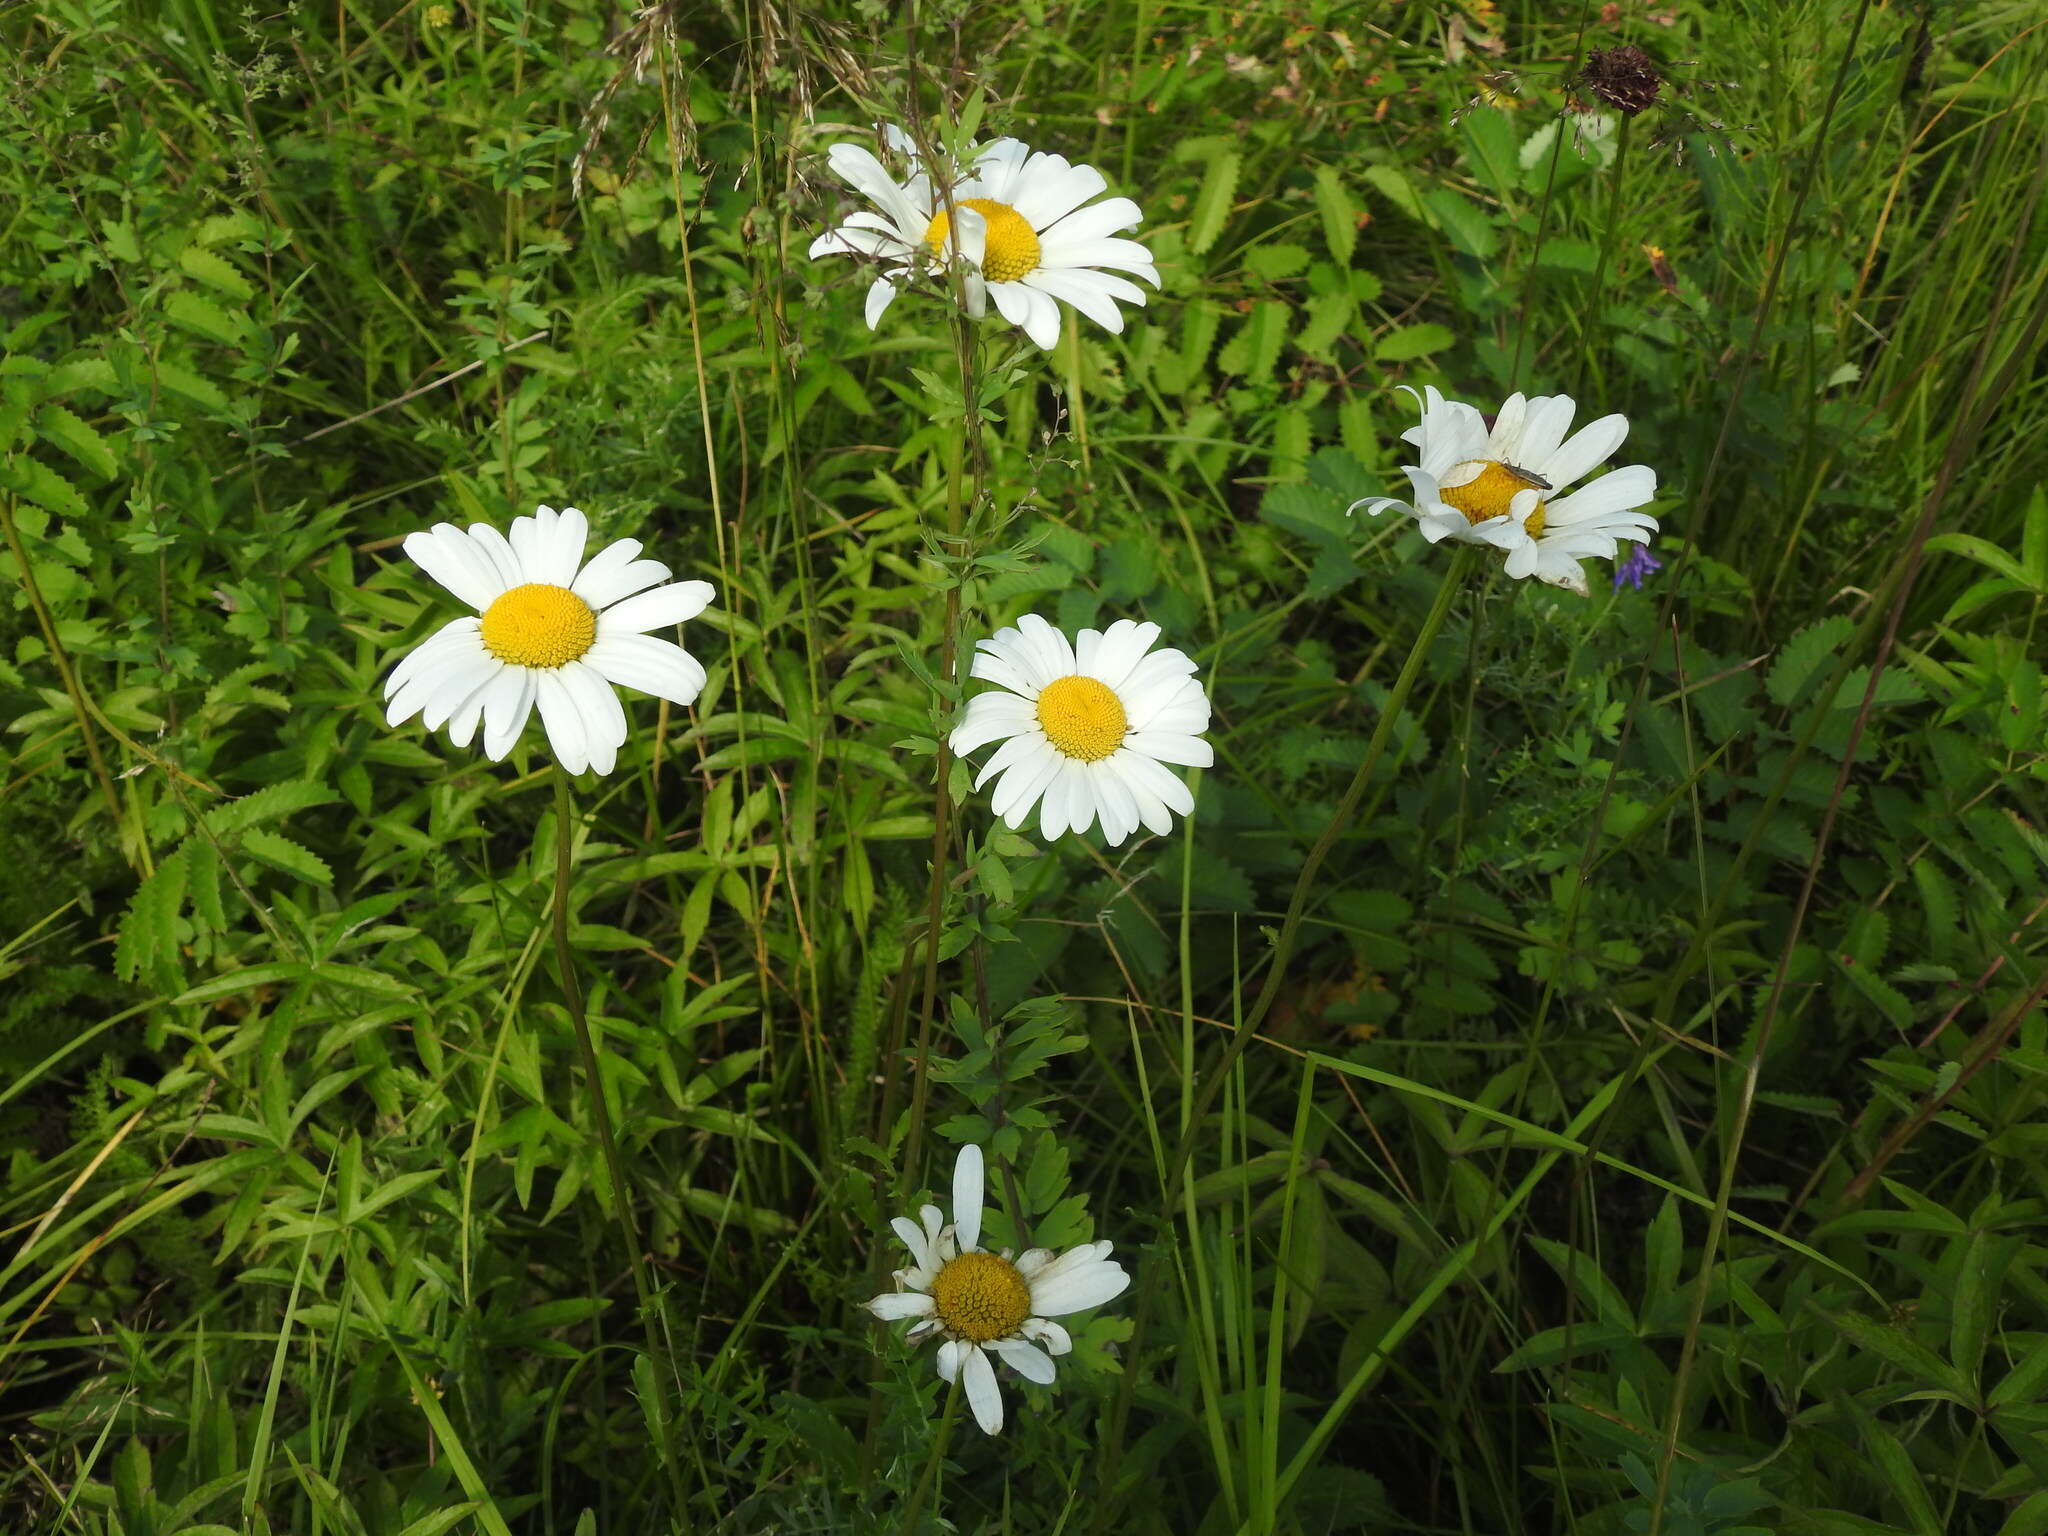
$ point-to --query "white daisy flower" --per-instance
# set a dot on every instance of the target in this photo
(985, 1304)
(1023, 230)
(1086, 727)
(551, 630)
(1502, 486)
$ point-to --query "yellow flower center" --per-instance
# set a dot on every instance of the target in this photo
(1082, 717)
(539, 625)
(1011, 249)
(1489, 493)
(980, 1296)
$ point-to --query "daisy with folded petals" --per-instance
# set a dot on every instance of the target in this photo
(985, 1304)
(1029, 241)
(1505, 485)
(551, 631)
(1087, 727)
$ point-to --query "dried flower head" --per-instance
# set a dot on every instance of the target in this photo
(1625, 78)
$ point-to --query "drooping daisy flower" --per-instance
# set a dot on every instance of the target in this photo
(1088, 726)
(984, 1303)
(1023, 231)
(1504, 486)
(550, 630)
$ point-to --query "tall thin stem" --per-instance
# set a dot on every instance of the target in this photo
(929, 1480)
(1283, 947)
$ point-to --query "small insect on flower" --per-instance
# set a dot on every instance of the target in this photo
(551, 630)
(1022, 228)
(986, 1304)
(1499, 485)
(1086, 727)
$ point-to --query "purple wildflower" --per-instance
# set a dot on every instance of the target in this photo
(1640, 563)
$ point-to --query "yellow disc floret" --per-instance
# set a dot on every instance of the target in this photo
(1491, 491)
(980, 1296)
(1082, 717)
(539, 625)
(1011, 249)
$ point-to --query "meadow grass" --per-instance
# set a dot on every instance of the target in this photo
(1576, 1071)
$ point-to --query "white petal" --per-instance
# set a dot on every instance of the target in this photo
(1030, 1363)
(864, 173)
(653, 610)
(508, 701)
(983, 1395)
(989, 717)
(1085, 296)
(1545, 421)
(898, 1305)
(950, 1354)
(649, 664)
(1166, 747)
(1050, 189)
(1042, 325)
(1028, 743)
(967, 1186)
(604, 717)
(1118, 805)
(1056, 1339)
(1620, 491)
(1077, 1289)
(456, 650)
(435, 648)
(1031, 1261)
(562, 720)
(445, 553)
(1590, 445)
(881, 294)
(1092, 223)
(614, 572)
(465, 672)
(1141, 771)
(1120, 255)
(913, 1239)
(492, 543)
(1020, 788)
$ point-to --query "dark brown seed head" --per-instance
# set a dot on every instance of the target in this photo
(1623, 77)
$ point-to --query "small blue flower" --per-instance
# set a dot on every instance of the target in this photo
(1640, 563)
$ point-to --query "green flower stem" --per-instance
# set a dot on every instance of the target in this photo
(929, 1480)
(572, 997)
(1283, 947)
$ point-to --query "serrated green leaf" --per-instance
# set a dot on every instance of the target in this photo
(1800, 658)
(1212, 202)
(205, 318)
(282, 854)
(184, 382)
(1409, 342)
(1274, 262)
(1338, 213)
(147, 947)
(63, 429)
(271, 803)
(35, 481)
(216, 271)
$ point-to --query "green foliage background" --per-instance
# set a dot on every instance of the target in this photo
(1646, 1134)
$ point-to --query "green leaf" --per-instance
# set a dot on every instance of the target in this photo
(148, 942)
(216, 271)
(182, 381)
(1800, 658)
(35, 481)
(1274, 262)
(1212, 202)
(1339, 214)
(281, 853)
(205, 318)
(62, 429)
(1409, 342)
(271, 803)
